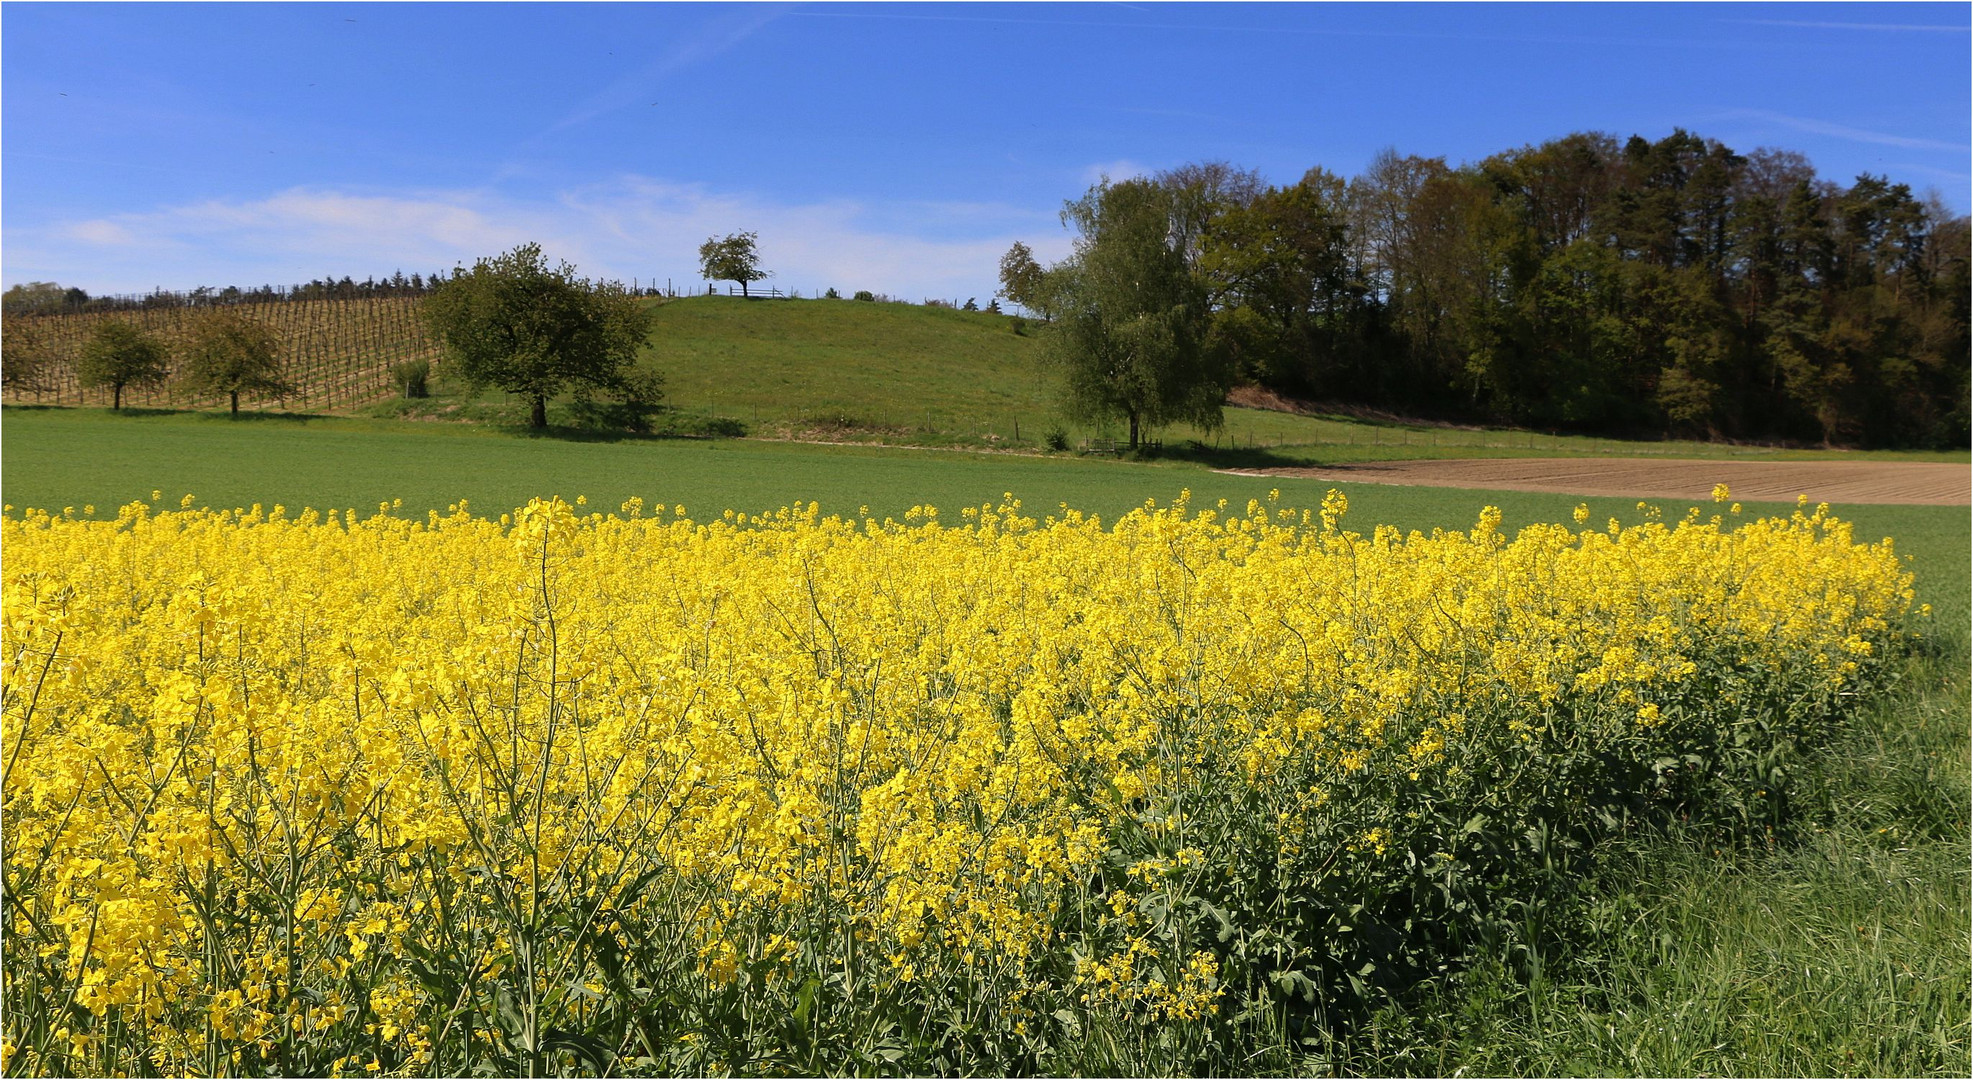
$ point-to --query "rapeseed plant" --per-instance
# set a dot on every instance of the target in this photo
(575, 792)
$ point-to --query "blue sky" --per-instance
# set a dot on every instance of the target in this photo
(899, 148)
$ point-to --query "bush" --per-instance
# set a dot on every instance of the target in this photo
(1018, 324)
(410, 377)
(1057, 439)
(865, 294)
(832, 294)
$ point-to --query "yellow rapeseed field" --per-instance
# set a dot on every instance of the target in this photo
(628, 792)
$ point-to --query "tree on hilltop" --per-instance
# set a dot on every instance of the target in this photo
(120, 354)
(515, 324)
(228, 353)
(1022, 279)
(736, 258)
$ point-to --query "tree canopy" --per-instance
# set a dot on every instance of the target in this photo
(736, 258)
(1022, 279)
(514, 323)
(119, 354)
(225, 352)
(1128, 332)
(24, 356)
(1638, 287)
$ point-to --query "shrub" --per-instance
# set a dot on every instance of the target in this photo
(832, 294)
(1018, 325)
(410, 377)
(1057, 439)
(865, 294)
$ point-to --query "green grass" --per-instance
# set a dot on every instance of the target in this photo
(78, 457)
(1840, 951)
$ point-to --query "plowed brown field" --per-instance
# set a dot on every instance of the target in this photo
(1925, 483)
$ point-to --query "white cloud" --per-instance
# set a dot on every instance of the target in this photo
(630, 227)
(101, 232)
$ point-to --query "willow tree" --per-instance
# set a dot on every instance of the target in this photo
(514, 323)
(1127, 338)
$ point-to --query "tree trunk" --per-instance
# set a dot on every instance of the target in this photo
(236, 403)
(538, 416)
(116, 398)
(743, 288)
(1133, 432)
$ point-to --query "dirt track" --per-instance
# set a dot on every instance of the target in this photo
(1924, 483)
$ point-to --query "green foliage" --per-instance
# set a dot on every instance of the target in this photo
(832, 294)
(515, 324)
(119, 354)
(1126, 339)
(228, 353)
(1669, 287)
(412, 376)
(735, 258)
(37, 297)
(865, 295)
(1057, 440)
(26, 360)
(1022, 278)
(1289, 306)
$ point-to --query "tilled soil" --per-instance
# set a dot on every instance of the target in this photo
(1919, 483)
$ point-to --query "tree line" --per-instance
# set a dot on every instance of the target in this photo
(1674, 288)
(49, 298)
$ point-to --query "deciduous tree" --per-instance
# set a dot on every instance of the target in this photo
(1128, 333)
(24, 359)
(514, 323)
(1022, 279)
(120, 354)
(227, 353)
(736, 258)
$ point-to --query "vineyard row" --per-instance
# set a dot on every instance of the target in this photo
(335, 353)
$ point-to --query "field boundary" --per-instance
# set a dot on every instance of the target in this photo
(1879, 482)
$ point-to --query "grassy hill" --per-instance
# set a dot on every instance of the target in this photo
(902, 374)
(848, 366)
